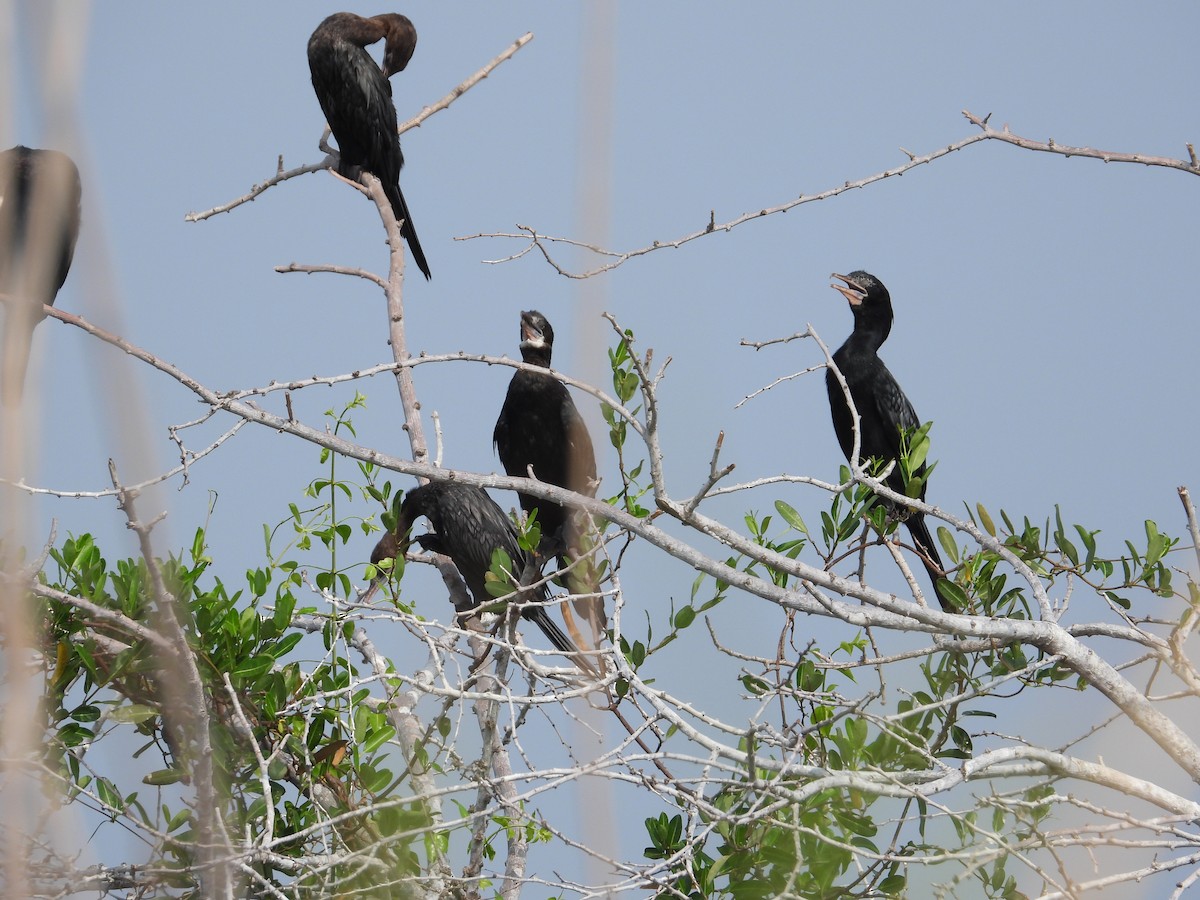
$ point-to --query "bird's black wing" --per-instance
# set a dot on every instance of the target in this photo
(472, 527)
(491, 520)
(894, 406)
(894, 415)
(385, 159)
(581, 456)
(501, 434)
(529, 432)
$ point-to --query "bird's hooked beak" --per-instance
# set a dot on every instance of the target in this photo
(851, 291)
(531, 335)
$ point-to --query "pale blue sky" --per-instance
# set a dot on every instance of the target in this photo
(1046, 308)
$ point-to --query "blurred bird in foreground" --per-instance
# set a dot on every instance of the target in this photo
(39, 224)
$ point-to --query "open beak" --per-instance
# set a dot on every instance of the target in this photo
(530, 333)
(851, 291)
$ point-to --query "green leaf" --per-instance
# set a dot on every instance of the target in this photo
(285, 605)
(133, 714)
(955, 593)
(637, 654)
(1117, 599)
(108, 794)
(985, 519)
(791, 516)
(946, 539)
(919, 449)
(1156, 544)
(1089, 543)
(254, 666)
(285, 644)
(85, 713)
(378, 738)
(163, 776)
(756, 686)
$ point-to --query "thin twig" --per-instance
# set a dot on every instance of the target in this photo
(417, 120)
(1189, 510)
(616, 259)
(185, 707)
(1053, 146)
(714, 475)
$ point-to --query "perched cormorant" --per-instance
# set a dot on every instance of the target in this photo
(356, 97)
(39, 223)
(539, 426)
(884, 413)
(468, 527)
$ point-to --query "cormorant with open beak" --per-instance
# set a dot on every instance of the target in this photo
(540, 429)
(884, 412)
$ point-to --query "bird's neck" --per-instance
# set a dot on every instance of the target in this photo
(869, 333)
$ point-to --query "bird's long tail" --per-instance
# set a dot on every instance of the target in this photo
(407, 229)
(929, 557)
(537, 614)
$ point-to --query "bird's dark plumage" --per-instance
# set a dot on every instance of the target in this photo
(539, 426)
(884, 412)
(39, 223)
(356, 97)
(468, 528)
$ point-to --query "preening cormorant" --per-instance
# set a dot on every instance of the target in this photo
(356, 97)
(468, 528)
(884, 412)
(39, 223)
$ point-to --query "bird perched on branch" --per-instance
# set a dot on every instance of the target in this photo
(884, 412)
(469, 527)
(39, 224)
(540, 429)
(356, 97)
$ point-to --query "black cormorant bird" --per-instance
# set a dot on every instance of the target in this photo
(356, 97)
(884, 413)
(468, 528)
(39, 223)
(539, 426)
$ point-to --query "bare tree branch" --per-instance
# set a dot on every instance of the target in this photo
(615, 258)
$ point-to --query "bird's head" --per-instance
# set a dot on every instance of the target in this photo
(861, 288)
(537, 338)
(400, 42)
(397, 538)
